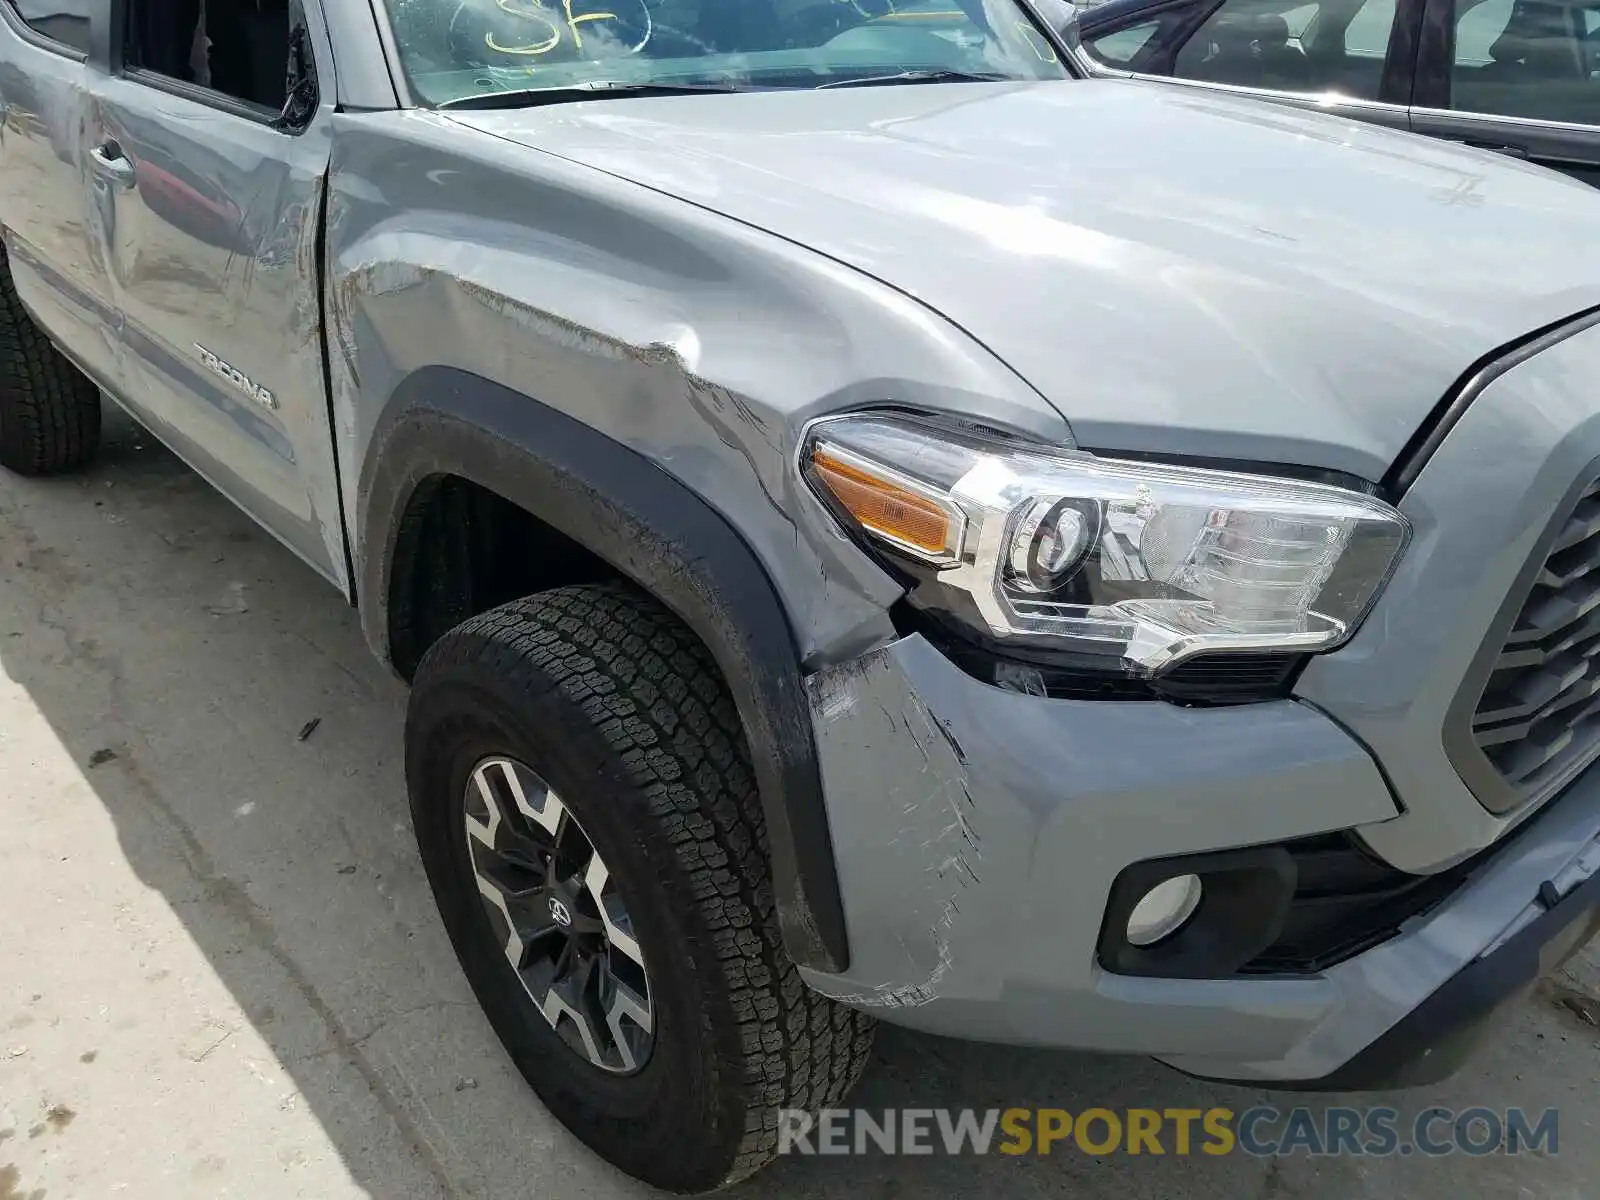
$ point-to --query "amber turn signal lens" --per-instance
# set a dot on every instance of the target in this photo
(884, 507)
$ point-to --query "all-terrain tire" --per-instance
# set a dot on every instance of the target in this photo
(621, 711)
(49, 410)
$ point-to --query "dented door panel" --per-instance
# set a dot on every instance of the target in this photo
(46, 192)
(213, 251)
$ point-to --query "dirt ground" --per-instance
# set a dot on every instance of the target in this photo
(220, 969)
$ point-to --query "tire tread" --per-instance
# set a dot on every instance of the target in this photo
(49, 410)
(657, 698)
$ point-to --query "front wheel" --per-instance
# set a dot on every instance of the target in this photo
(587, 816)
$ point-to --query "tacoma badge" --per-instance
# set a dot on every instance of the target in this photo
(226, 370)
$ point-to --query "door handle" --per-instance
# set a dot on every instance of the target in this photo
(112, 164)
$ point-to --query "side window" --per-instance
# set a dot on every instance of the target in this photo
(1367, 35)
(64, 21)
(1526, 58)
(1144, 45)
(1477, 28)
(1117, 49)
(1327, 46)
(253, 51)
(1299, 20)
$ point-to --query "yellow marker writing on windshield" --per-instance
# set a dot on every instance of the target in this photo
(573, 21)
(532, 12)
(888, 9)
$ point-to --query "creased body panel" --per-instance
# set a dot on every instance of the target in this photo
(974, 897)
(1176, 272)
(978, 832)
(690, 339)
(213, 255)
(47, 204)
(576, 310)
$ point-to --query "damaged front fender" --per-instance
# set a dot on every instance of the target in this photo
(635, 372)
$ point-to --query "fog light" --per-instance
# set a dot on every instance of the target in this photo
(1163, 909)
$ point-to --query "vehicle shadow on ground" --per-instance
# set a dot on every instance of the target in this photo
(229, 718)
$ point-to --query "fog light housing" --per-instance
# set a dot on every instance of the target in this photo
(1196, 916)
(1162, 910)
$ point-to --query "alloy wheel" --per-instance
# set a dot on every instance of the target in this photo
(550, 897)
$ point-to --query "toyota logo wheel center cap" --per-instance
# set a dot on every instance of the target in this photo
(560, 913)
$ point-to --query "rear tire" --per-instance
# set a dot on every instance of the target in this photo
(49, 410)
(601, 696)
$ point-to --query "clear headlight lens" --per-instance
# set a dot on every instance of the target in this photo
(1136, 563)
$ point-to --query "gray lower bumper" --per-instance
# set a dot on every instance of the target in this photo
(978, 833)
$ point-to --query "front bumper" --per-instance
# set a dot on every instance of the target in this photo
(978, 833)
(1437, 1036)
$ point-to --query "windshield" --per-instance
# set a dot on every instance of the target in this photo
(458, 50)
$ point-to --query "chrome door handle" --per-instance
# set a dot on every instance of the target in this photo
(112, 164)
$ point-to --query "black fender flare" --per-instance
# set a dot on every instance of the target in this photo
(654, 530)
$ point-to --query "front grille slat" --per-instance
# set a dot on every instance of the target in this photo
(1550, 610)
(1520, 752)
(1568, 566)
(1538, 718)
(1528, 653)
(1535, 692)
(1585, 523)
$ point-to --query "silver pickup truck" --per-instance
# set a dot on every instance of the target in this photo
(876, 526)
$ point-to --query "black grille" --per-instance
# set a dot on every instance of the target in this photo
(1346, 901)
(1224, 676)
(1538, 720)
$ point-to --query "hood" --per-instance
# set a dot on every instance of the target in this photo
(1175, 272)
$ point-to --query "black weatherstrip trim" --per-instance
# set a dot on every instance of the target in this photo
(1431, 433)
(1435, 55)
(323, 196)
(653, 529)
(1400, 57)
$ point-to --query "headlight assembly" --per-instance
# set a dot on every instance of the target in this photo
(1130, 565)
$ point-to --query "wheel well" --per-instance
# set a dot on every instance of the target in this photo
(462, 549)
(433, 548)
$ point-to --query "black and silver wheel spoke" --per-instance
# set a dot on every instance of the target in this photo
(511, 866)
(628, 1018)
(619, 932)
(550, 896)
(567, 1007)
